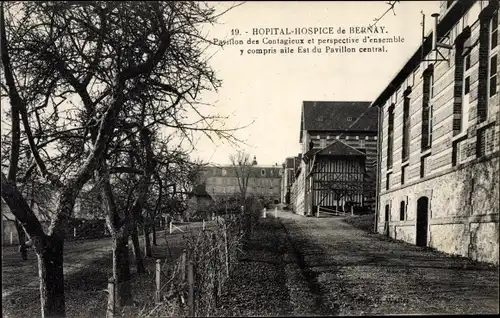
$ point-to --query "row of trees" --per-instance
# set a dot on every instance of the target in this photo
(98, 92)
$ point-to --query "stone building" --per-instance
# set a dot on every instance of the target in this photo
(288, 177)
(349, 127)
(264, 181)
(439, 173)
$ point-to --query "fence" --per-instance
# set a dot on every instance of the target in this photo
(191, 284)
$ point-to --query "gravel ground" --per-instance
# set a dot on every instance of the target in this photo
(361, 273)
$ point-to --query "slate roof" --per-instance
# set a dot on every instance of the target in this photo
(335, 115)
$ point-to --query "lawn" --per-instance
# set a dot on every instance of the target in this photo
(87, 267)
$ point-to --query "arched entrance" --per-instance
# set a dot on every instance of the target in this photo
(422, 221)
(386, 220)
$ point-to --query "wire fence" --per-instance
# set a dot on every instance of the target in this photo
(192, 283)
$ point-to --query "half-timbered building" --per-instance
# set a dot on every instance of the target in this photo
(349, 131)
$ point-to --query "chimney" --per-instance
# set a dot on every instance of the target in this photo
(434, 35)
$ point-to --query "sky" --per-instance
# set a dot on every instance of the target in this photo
(267, 90)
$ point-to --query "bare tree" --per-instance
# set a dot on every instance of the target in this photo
(74, 72)
(243, 167)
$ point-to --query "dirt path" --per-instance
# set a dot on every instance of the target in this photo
(353, 272)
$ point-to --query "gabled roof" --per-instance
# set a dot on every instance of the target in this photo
(338, 116)
(339, 148)
(336, 148)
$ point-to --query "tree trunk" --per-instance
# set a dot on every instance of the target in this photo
(50, 269)
(21, 236)
(154, 233)
(137, 250)
(147, 241)
(121, 268)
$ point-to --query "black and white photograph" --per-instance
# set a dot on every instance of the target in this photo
(250, 159)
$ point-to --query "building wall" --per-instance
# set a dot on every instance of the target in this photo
(300, 192)
(222, 181)
(459, 181)
(364, 141)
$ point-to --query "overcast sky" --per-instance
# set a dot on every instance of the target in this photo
(269, 89)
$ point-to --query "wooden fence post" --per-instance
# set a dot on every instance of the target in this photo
(191, 303)
(203, 224)
(183, 266)
(226, 247)
(170, 227)
(317, 211)
(215, 269)
(74, 232)
(11, 238)
(110, 312)
(158, 282)
(276, 212)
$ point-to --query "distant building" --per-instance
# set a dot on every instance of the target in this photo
(264, 181)
(199, 203)
(348, 130)
(287, 178)
(439, 173)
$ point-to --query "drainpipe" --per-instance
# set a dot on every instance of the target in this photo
(377, 177)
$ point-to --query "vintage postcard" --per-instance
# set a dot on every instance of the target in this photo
(276, 158)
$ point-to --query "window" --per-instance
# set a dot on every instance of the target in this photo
(494, 30)
(427, 111)
(459, 152)
(493, 75)
(406, 126)
(390, 136)
(403, 174)
(362, 144)
(467, 62)
(388, 181)
(424, 166)
(224, 172)
(322, 143)
(488, 41)
(467, 85)
(349, 118)
(402, 208)
(485, 141)
(262, 172)
(387, 213)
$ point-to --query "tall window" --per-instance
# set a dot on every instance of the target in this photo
(494, 30)
(488, 41)
(493, 75)
(427, 111)
(390, 137)
(465, 95)
(402, 206)
(406, 125)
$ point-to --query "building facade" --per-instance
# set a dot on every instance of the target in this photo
(224, 181)
(439, 170)
(288, 178)
(352, 125)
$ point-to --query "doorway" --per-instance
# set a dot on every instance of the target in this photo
(422, 221)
